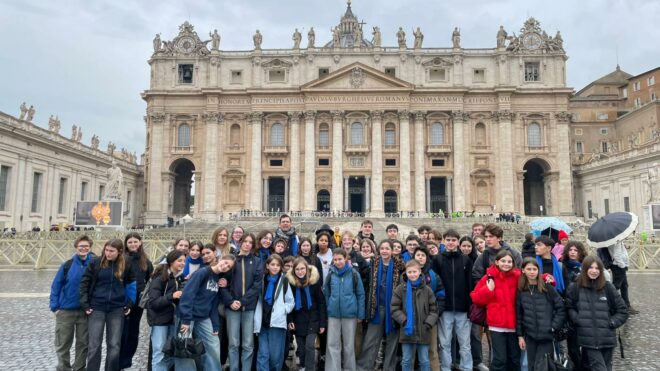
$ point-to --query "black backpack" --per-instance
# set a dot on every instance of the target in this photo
(604, 255)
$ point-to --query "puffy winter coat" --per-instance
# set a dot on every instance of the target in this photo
(424, 308)
(596, 314)
(245, 285)
(539, 314)
(283, 303)
(344, 295)
(501, 302)
(65, 290)
(308, 321)
(455, 271)
(162, 305)
(101, 290)
(141, 277)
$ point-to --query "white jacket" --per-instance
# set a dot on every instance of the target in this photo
(619, 254)
(282, 305)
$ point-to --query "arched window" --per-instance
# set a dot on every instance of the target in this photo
(324, 135)
(482, 192)
(437, 134)
(357, 134)
(277, 135)
(390, 134)
(480, 134)
(183, 136)
(534, 135)
(235, 135)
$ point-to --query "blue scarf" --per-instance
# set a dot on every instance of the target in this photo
(299, 298)
(293, 246)
(573, 263)
(264, 254)
(409, 329)
(406, 257)
(389, 324)
(342, 271)
(270, 289)
(556, 269)
(186, 269)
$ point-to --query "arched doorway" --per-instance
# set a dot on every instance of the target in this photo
(533, 187)
(183, 192)
(323, 200)
(390, 202)
(356, 194)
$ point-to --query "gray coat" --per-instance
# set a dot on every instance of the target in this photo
(425, 311)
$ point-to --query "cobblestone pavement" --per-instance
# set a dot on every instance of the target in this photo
(27, 331)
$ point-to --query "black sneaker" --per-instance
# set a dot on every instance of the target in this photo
(632, 311)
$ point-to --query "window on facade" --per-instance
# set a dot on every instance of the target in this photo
(390, 162)
(4, 186)
(61, 200)
(323, 72)
(437, 134)
(277, 135)
(390, 71)
(235, 135)
(653, 97)
(579, 147)
(638, 102)
(590, 211)
(324, 135)
(437, 163)
(604, 147)
(534, 135)
(578, 131)
(357, 134)
(276, 163)
(101, 191)
(604, 131)
(626, 204)
(637, 86)
(624, 92)
(480, 134)
(183, 135)
(390, 134)
(603, 116)
(324, 162)
(36, 190)
(236, 77)
(83, 191)
(650, 81)
(606, 203)
(479, 75)
(276, 75)
(532, 72)
(437, 74)
(185, 74)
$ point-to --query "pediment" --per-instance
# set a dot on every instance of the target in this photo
(357, 77)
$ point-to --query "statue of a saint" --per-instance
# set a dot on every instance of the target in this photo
(24, 111)
(157, 43)
(297, 37)
(401, 38)
(30, 114)
(654, 186)
(335, 37)
(559, 41)
(79, 135)
(377, 37)
(54, 124)
(257, 38)
(111, 148)
(115, 183)
(215, 40)
(419, 38)
(357, 37)
(456, 38)
(311, 37)
(74, 132)
(95, 141)
(501, 37)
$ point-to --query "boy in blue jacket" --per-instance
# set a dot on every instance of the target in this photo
(70, 318)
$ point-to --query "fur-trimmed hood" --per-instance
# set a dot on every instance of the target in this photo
(313, 276)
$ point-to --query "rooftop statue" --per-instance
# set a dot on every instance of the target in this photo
(215, 40)
(257, 39)
(456, 38)
(377, 37)
(419, 38)
(297, 37)
(401, 38)
(24, 110)
(311, 37)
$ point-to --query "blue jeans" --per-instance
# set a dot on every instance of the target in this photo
(240, 326)
(203, 330)
(450, 322)
(271, 349)
(113, 323)
(422, 357)
(159, 335)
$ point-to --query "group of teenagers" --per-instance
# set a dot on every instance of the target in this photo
(342, 299)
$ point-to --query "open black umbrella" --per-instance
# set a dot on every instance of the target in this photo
(611, 229)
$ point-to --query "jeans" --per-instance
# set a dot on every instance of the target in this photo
(341, 344)
(450, 322)
(599, 359)
(159, 335)
(203, 330)
(422, 357)
(113, 323)
(475, 343)
(67, 324)
(307, 355)
(240, 328)
(506, 352)
(129, 338)
(272, 342)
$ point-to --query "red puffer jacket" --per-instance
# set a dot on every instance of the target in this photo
(500, 303)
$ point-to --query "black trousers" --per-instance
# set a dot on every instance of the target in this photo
(599, 359)
(129, 337)
(506, 352)
(536, 350)
(620, 281)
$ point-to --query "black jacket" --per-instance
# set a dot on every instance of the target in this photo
(528, 250)
(141, 277)
(162, 305)
(538, 314)
(100, 289)
(309, 321)
(596, 314)
(455, 271)
(247, 292)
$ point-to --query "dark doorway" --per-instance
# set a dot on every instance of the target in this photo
(438, 194)
(356, 194)
(183, 196)
(276, 194)
(533, 189)
(323, 200)
(390, 200)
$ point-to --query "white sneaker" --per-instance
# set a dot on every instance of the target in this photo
(481, 367)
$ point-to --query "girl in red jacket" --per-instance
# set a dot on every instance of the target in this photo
(497, 292)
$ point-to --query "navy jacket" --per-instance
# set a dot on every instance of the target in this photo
(65, 291)
(101, 290)
(250, 268)
(200, 298)
(455, 272)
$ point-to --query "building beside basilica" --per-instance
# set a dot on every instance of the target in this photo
(350, 124)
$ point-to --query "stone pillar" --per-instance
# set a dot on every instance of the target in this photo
(367, 197)
(346, 196)
(309, 203)
(404, 166)
(197, 179)
(420, 194)
(287, 195)
(428, 195)
(255, 162)
(376, 201)
(520, 184)
(157, 205)
(505, 147)
(293, 199)
(337, 160)
(459, 162)
(450, 191)
(211, 180)
(564, 206)
(264, 202)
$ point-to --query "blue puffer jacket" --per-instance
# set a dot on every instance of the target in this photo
(101, 290)
(65, 291)
(344, 298)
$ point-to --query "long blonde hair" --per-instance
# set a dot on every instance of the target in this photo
(121, 263)
(224, 249)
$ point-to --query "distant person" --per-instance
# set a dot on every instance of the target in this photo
(287, 231)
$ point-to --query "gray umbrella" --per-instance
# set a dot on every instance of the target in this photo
(611, 229)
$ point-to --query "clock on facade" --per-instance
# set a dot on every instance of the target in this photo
(532, 41)
(186, 44)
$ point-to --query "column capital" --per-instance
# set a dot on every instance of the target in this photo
(459, 116)
(376, 114)
(310, 115)
(337, 115)
(563, 117)
(404, 114)
(503, 116)
(419, 115)
(157, 117)
(294, 116)
(213, 117)
(256, 117)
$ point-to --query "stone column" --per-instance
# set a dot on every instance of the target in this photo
(564, 206)
(367, 195)
(505, 147)
(211, 180)
(264, 202)
(450, 191)
(293, 199)
(255, 162)
(377, 205)
(156, 208)
(420, 194)
(337, 160)
(310, 162)
(459, 162)
(428, 195)
(287, 195)
(197, 179)
(404, 166)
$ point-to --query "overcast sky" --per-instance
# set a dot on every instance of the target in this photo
(86, 60)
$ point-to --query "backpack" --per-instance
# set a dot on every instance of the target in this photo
(604, 255)
(144, 295)
(355, 278)
(67, 267)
